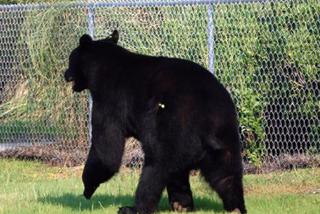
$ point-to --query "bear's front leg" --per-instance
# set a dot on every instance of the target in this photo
(105, 155)
(95, 172)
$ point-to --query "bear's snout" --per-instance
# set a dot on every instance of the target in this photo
(67, 76)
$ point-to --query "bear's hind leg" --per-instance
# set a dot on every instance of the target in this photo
(179, 192)
(151, 184)
(223, 171)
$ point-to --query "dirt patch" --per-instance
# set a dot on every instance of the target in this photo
(70, 154)
(54, 154)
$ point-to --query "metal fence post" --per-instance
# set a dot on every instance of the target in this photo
(91, 16)
(210, 38)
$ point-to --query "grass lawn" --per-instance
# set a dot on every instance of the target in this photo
(31, 187)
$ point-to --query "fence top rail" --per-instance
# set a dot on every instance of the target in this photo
(128, 3)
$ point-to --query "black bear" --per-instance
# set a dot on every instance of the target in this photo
(183, 117)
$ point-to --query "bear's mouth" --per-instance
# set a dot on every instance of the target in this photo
(74, 86)
(69, 79)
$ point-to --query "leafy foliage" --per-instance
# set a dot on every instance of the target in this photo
(267, 55)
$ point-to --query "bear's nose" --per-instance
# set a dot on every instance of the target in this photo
(67, 76)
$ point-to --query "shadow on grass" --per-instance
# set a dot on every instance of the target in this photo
(79, 203)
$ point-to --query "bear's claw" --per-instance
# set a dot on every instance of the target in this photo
(127, 210)
(177, 207)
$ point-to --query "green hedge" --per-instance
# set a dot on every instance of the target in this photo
(267, 55)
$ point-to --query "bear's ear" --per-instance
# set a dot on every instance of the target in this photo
(85, 40)
(115, 36)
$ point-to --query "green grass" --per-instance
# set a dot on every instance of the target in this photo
(31, 187)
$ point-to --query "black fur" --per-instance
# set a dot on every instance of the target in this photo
(183, 117)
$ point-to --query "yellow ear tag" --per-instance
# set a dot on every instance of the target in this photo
(161, 105)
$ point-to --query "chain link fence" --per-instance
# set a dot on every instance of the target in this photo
(267, 54)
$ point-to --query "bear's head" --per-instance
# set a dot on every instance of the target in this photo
(83, 60)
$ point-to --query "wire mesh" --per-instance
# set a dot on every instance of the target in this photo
(40, 116)
(267, 54)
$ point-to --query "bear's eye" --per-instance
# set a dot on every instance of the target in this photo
(161, 105)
